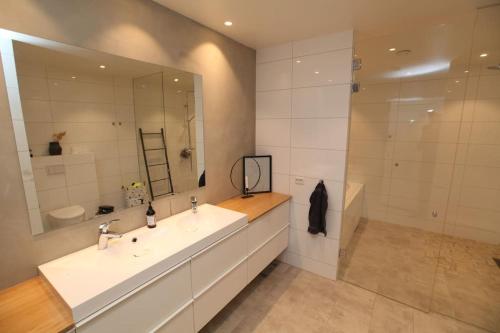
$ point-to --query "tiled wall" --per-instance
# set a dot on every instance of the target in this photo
(415, 163)
(303, 97)
(63, 181)
(145, 31)
(160, 104)
(474, 206)
(96, 112)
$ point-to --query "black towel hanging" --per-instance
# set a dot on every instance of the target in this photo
(317, 211)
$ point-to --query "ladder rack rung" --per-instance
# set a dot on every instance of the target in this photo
(157, 195)
(151, 133)
(152, 165)
(158, 180)
(155, 149)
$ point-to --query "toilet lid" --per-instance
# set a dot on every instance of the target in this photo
(68, 212)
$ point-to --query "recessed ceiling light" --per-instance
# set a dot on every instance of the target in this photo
(412, 120)
(392, 49)
(330, 80)
(457, 81)
(298, 61)
(73, 77)
(466, 71)
(430, 110)
(228, 23)
(102, 66)
(176, 80)
(483, 55)
(316, 72)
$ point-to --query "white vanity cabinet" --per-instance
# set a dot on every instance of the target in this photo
(219, 273)
(186, 297)
(149, 307)
(267, 238)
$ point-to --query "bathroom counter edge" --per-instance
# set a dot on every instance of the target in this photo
(33, 306)
(255, 206)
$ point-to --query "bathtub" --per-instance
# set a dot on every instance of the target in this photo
(353, 208)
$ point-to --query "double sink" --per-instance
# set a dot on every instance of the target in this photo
(90, 279)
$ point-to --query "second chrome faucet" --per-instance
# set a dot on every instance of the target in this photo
(105, 234)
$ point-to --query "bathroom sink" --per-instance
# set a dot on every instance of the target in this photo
(90, 279)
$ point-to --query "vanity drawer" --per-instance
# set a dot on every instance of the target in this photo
(213, 262)
(208, 304)
(182, 322)
(262, 257)
(262, 229)
(145, 309)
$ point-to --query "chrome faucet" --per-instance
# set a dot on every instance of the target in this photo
(105, 234)
(194, 204)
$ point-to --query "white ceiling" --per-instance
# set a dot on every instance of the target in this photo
(260, 23)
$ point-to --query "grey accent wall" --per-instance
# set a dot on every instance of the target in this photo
(142, 30)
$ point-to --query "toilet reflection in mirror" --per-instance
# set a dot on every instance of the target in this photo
(101, 132)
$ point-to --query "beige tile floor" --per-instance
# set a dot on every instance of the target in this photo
(451, 276)
(288, 299)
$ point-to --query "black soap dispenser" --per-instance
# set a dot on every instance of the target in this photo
(151, 217)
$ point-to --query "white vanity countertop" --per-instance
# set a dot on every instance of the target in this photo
(90, 279)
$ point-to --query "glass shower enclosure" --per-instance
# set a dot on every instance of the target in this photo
(422, 213)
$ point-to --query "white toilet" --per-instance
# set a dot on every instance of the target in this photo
(66, 216)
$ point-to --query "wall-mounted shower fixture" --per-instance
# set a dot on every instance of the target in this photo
(355, 87)
(356, 64)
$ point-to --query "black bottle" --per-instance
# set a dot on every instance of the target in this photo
(151, 217)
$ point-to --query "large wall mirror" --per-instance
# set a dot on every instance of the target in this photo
(97, 133)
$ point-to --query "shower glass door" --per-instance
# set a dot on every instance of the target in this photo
(424, 146)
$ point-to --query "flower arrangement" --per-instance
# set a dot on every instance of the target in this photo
(58, 136)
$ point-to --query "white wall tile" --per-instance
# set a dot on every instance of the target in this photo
(323, 69)
(314, 114)
(314, 163)
(272, 132)
(281, 183)
(33, 88)
(322, 269)
(36, 110)
(316, 247)
(53, 199)
(319, 133)
(321, 102)
(324, 43)
(81, 174)
(274, 75)
(281, 157)
(83, 193)
(275, 52)
(273, 104)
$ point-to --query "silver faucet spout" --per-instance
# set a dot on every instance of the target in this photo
(105, 234)
(194, 204)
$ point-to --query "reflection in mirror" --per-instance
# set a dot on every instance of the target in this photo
(104, 132)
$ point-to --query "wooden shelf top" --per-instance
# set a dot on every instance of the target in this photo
(33, 306)
(255, 206)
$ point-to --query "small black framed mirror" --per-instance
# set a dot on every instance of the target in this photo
(257, 174)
